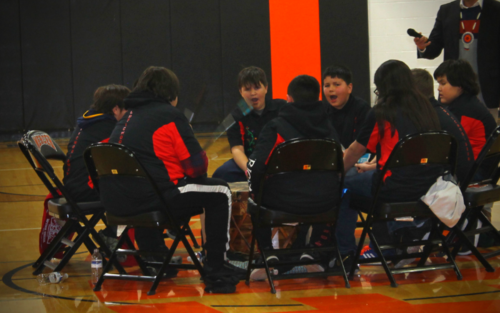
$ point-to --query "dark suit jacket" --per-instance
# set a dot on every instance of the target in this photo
(445, 34)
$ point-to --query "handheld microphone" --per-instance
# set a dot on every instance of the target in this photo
(413, 33)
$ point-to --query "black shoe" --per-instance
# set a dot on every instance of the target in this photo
(241, 273)
(170, 273)
(222, 280)
(348, 260)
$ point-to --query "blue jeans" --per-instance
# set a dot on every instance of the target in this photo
(358, 184)
(361, 185)
(230, 172)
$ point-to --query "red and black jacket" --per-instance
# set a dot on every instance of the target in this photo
(91, 128)
(451, 124)
(164, 143)
(406, 184)
(348, 120)
(246, 130)
(292, 192)
(475, 118)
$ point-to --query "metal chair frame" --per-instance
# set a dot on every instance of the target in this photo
(110, 159)
(315, 155)
(428, 148)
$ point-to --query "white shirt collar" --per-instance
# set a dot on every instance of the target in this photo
(478, 3)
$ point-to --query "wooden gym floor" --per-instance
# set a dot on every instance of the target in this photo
(21, 198)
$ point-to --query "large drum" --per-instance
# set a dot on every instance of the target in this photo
(241, 224)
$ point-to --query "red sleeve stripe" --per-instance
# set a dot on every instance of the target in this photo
(242, 132)
(279, 140)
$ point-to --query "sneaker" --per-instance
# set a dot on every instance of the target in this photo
(410, 250)
(368, 253)
(313, 268)
(259, 274)
(222, 280)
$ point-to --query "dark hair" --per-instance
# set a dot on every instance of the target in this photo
(304, 88)
(109, 96)
(397, 91)
(459, 73)
(339, 71)
(251, 75)
(159, 80)
(423, 82)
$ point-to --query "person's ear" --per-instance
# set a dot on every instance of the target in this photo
(289, 99)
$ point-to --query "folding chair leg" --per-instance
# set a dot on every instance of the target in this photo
(165, 264)
(193, 257)
(450, 257)
(193, 238)
(137, 258)
(54, 246)
(339, 257)
(107, 267)
(358, 251)
(250, 258)
(474, 250)
(268, 272)
(384, 262)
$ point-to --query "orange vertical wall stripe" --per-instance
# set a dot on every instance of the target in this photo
(295, 42)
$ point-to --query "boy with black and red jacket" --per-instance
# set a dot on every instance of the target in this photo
(165, 144)
(447, 121)
(346, 111)
(94, 126)
(458, 90)
(297, 192)
(243, 135)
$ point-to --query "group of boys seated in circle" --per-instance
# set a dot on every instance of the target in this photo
(146, 121)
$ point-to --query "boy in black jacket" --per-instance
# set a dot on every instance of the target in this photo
(346, 111)
(303, 117)
(94, 126)
(243, 135)
(165, 144)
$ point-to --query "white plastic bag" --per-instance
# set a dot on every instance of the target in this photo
(445, 199)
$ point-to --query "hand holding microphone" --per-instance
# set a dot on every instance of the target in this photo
(420, 41)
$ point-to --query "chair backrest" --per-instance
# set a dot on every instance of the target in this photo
(427, 148)
(37, 147)
(305, 155)
(435, 147)
(112, 159)
(489, 154)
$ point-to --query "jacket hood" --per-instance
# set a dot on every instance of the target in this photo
(91, 117)
(139, 98)
(310, 119)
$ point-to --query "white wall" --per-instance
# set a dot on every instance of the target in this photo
(388, 22)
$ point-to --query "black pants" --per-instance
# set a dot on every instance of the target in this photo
(214, 196)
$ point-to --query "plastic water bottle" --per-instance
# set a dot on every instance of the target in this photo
(96, 266)
(51, 278)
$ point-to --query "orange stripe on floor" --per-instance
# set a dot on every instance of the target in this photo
(295, 42)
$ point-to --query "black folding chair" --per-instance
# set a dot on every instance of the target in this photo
(476, 195)
(38, 147)
(117, 161)
(309, 156)
(436, 148)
